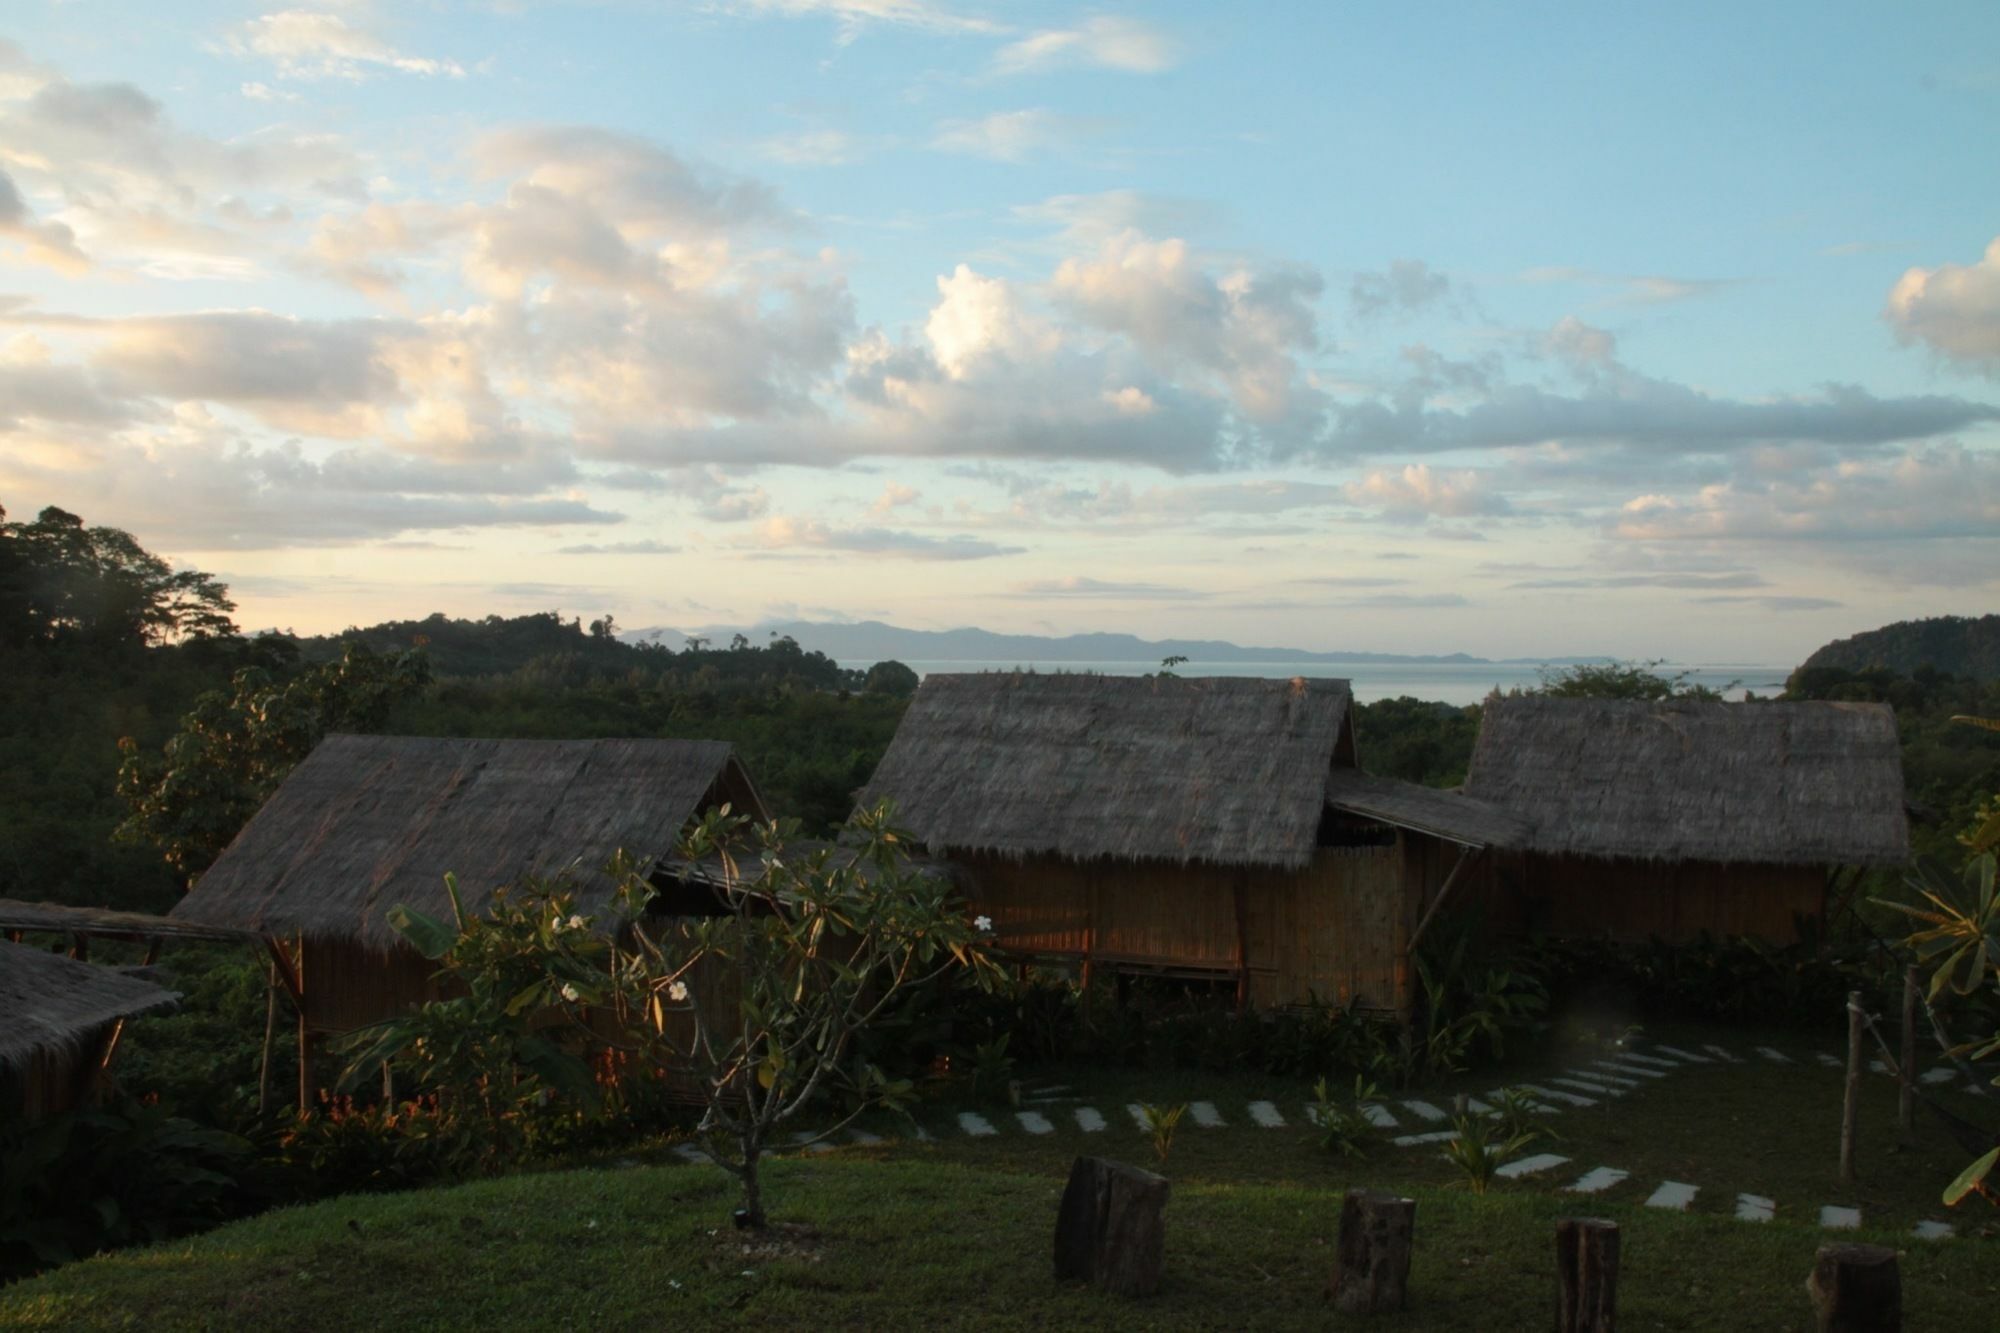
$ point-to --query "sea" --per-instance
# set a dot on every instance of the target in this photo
(1456, 683)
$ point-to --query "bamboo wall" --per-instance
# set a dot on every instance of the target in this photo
(52, 1081)
(1335, 930)
(1640, 900)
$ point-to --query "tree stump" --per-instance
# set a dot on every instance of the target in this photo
(1373, 1273)
(1587, 1268)
(1856, 1289)
(1111, 1230)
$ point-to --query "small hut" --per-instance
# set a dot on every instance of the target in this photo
(1205, 828)
(1675, 818)
(367, 823)
(60, 1020)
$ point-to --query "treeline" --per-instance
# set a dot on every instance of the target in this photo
(1967, 647)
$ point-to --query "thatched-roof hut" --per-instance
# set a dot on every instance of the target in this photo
(59, 1020)
(367, 823)
(1197, 827)
(1677, 817)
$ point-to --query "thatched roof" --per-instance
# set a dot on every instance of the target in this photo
(49, 1003)
(1450, 815)
(1679, 780)
(370, 822)
(1226, 770)
(108, 923)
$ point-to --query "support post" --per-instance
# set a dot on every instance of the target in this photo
(270, 1039)
(1242, 949)
(1587, 1269)
(307, 1085)
(1372, 1275)
(1465, 855)
(1856, 1289)
(1850, 1106)
(1906, 1095)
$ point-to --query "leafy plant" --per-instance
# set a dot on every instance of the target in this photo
(1519, 1117)
(1344, 1126)
(1161, 1121)
(1480, 1147)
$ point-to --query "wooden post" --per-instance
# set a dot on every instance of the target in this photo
(1242, 949)
(1856, 1289)
(1111, 1229)
(1587, 1269)
(1906, 1098)
(307, 1086)
(270, 1039)
(1850, 1106)
(1372, 1275)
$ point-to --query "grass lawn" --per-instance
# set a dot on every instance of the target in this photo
(957, 1232)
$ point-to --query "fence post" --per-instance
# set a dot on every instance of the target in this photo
(1906, 1102)
(1587, 1269)
(1851, 1101)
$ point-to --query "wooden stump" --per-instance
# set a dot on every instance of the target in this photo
(1856, 1289)
(1112, 1228)
(1373, 1273)
(1587, 1268)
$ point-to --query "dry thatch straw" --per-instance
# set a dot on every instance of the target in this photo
(1226, 770)
(1450, 815)
(52, 1005)
(108, 923)
(1681, 780)
(370, 822)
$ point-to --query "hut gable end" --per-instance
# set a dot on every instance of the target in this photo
(1224, 770)
(370, 822)
(1681, 780)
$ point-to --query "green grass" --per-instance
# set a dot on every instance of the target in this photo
(957, 1233)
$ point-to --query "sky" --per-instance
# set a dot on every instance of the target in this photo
(1505, 329)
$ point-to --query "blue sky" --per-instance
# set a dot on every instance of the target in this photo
(1512, 330)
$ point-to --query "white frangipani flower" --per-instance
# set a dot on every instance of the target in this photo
(569, 992)
(576, 921)
(677, 992)
(983, 924)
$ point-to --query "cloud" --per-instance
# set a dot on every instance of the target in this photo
(1079, 586)
(1406, 287)
(648, 547)
(1776, 602)
(1105, 42)
(1633, 289)
(312, 45)
(783, 532)
(1009, 136)
(49, 243)
(1417, 491)
(1682, 580)
(812, 148)
(1090, 220)
(1954, 309)
(894, 496)
(856, 15)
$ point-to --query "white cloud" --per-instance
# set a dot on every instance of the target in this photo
(1008, 136)
(49, 243)
(1954, 309)
(1105, 42)
(1406, 287)
(1418, 491)
(893, 497)
(784, 532)
(307, 44)
(812, 148)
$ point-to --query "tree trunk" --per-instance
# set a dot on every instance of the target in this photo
(1906, 1095)
(752, 1212)
(1111, 1229)
(1587, 1268)
(1856, 1289)
(1373, 1273)
(1850, 1105)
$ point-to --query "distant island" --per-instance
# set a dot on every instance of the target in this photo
(874, 641)
(1964, 646)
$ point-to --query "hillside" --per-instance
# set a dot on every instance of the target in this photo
(1961, 646)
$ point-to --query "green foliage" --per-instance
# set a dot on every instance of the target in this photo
(65, 584)
(1963, 646)
(891, 678)
(1517, 1116)
(203, 1059)
(993, 1071)
(74, 1184)
(1344, 1127)
(1161, 1122)
(1416, 740)
(234, 749)
(1734, 980)
(1480, 1146)
(1618, 680)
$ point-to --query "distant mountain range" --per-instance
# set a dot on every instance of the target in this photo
(873, 641)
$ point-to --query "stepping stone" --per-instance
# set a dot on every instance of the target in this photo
(1835, 1218)
(1582, 1086)
(975, 1124)
(1052, 1089)
(1522, 1092)
(1556, 1095)
(1689, 1056)
(1721, 1054)
(1932, 1231)
(1829, 1061)
(1674, 1195)
(1477, 1107)
(1138, 1114)
(1267, 1115)
(687, 1152)
(1597, 1180)
(1425, 1111)
(799, 1141)
(1617, 1080)
(1034, 1122)
(1942, 1074)
(1877, 1067)
(1090, 1120)
(863, 1137)
(1205, 1115)
(1755, 1208)
(1435, 1136)
(1654, 1061)
(1528, 1166)
(1378, 1115)
(1775, 1057)
(1619, 1067)
(924, 1135)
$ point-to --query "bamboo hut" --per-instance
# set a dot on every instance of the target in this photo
(60, 1019)
(367, 823)
(1675, 818)
(1204, 828)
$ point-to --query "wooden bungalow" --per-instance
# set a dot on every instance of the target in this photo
(1207, 828)
(60, 1020)
(366, 823)
(1675, 818)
